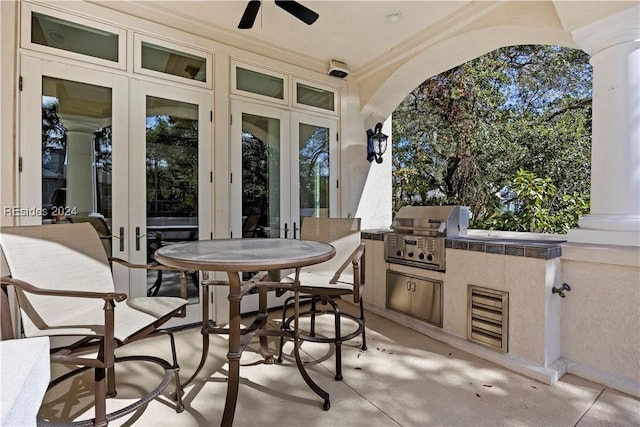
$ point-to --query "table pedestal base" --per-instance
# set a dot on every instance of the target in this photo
(239, 339)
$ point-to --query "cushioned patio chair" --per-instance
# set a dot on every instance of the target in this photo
(340, 276)
(63, 286)
(101, 226)
(156, 241)
(250, 226)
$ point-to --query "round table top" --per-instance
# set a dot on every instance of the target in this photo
(244, 254)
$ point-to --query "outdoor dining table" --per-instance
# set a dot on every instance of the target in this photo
(235, 256)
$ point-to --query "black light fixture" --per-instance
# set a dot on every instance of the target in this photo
(376, 143)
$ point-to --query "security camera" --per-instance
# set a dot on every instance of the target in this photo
(338, 69)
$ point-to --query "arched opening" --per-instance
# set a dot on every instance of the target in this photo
(507, 134)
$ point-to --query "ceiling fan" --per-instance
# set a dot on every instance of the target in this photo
(301, 12)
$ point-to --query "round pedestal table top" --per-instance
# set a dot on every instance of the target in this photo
(244, 254)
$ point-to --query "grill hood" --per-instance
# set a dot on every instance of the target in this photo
(437, 221)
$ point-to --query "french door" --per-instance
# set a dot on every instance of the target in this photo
(170, 185)
(110, 149)
(282, 166)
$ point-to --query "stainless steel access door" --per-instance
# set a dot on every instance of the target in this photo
(416, 296)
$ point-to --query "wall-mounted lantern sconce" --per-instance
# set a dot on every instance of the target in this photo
(376, 143)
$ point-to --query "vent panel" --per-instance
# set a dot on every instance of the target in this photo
(488, 315)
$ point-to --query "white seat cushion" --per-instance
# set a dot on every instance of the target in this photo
(71, 257)
(322, 280)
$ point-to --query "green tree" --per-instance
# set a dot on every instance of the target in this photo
(255, 174)
(530, 207)
(54, 134)
(462, 136)
(172, 172)
(313, 168)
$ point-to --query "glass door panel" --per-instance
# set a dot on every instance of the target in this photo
(315, 165)
(261, 216)
(260, 200)
(171, 187)
(76, 153)
(313, 149)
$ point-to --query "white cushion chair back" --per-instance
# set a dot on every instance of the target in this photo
(61, 256)
(71, 257)
(344, 235)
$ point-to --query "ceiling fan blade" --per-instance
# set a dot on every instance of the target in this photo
(249, 15)
(301, 12)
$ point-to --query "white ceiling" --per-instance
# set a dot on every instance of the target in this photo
(437, 34)
(354, 32)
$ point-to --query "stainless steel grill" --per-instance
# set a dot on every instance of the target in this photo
(419, 233)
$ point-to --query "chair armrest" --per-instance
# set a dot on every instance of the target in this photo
(106, 345)
(357, 262)
(259, 276)
(183, 273)
(143, 266)
(358, 254)
(29, 288)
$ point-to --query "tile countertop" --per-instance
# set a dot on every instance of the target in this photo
(377, 234)
(544, 246)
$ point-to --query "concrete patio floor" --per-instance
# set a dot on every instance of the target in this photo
(403, 379)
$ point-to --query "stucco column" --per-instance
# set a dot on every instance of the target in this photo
(80, 177)
(614, 46)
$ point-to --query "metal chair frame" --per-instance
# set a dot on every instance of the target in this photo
(104, 337)
(326, 295)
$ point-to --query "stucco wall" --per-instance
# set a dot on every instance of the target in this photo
(528, 282)
(601, 315)
(369, 183)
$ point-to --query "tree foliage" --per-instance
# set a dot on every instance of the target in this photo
(54, 134)
(462, 137)
(255, 174)
(172, 166)
(531, 207)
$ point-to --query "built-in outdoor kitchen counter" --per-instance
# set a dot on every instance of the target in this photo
(496, 297)
(531, 246)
